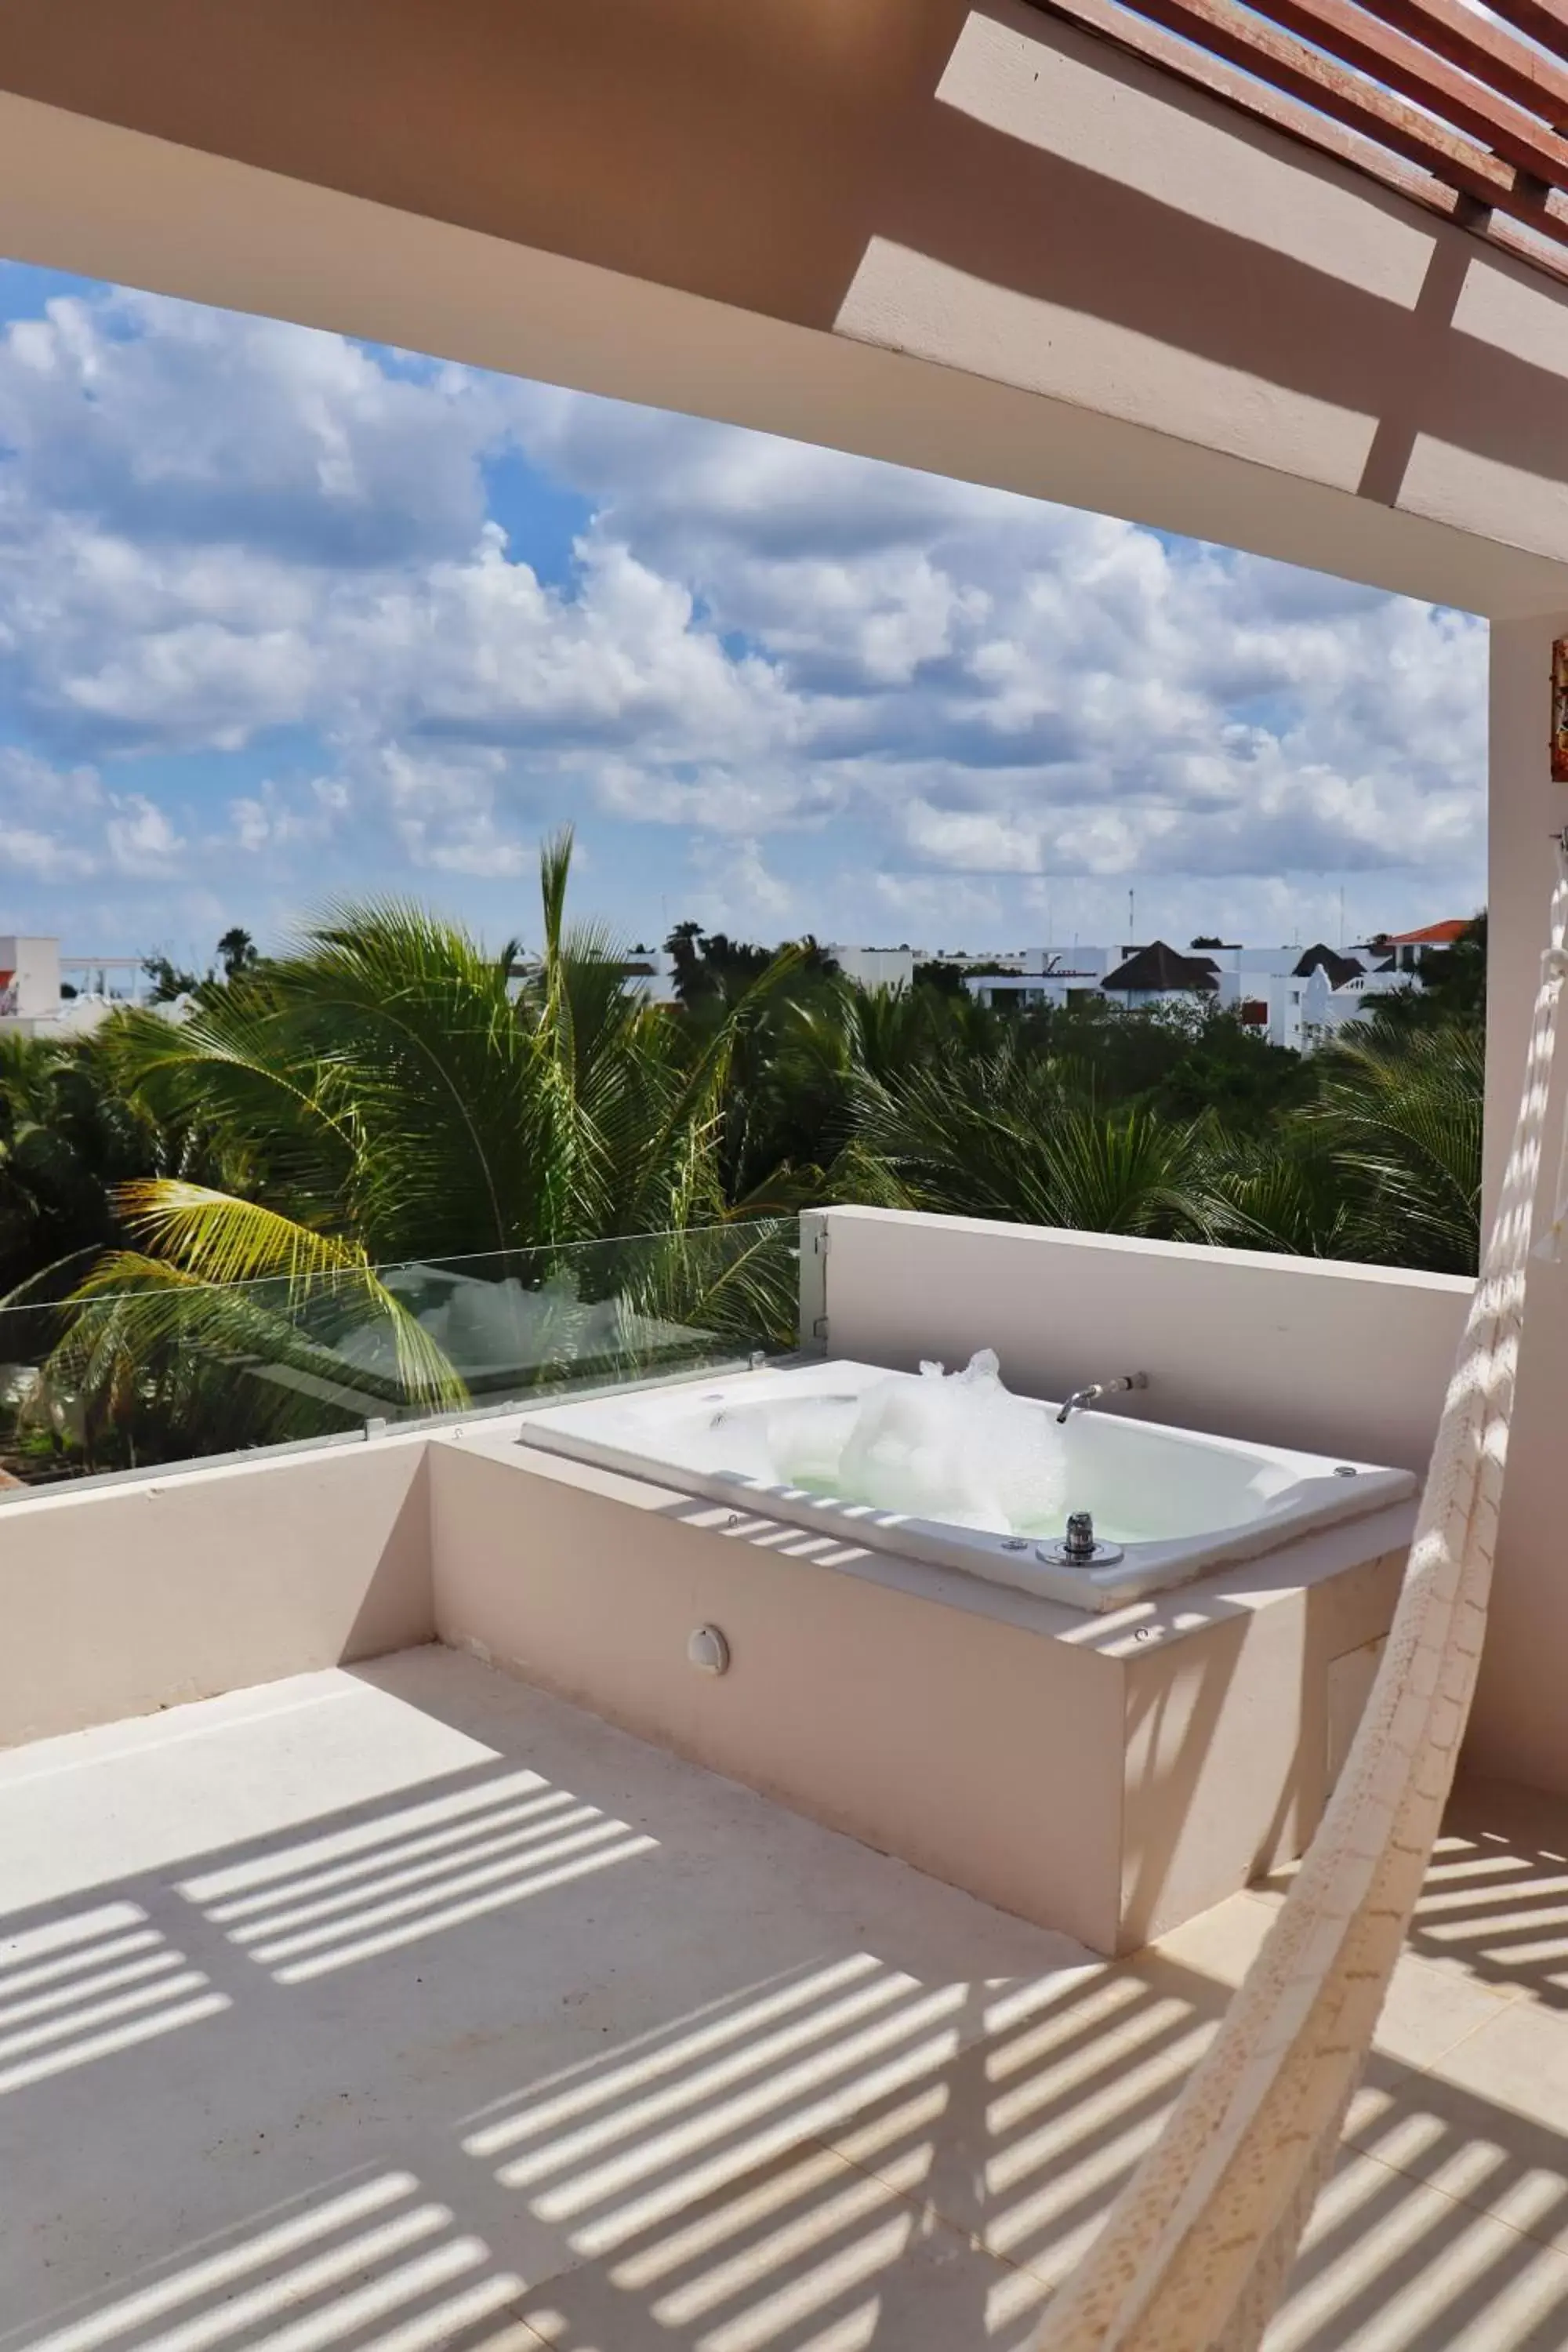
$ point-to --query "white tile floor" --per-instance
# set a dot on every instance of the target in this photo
(408, 2009)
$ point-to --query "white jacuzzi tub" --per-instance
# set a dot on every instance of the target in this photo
(1172, 1503)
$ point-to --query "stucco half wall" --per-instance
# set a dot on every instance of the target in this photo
(971, 239)
(138, 1593)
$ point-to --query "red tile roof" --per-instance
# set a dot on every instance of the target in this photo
(1435, 935)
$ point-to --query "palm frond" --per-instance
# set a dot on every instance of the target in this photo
(214, 1238)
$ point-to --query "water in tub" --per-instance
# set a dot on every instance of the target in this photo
(956, 1448)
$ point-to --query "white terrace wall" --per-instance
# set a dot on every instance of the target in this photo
(1518, 1727)
(120, 1599)
(1343, 1360)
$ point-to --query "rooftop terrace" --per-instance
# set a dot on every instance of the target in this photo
(355, 1994)
(319, 2036)
(407, 2007)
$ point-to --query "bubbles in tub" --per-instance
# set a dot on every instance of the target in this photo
(956, 1448)
(808, 1438)
(748, 1450)
(794, 1442)
(1024, 1449)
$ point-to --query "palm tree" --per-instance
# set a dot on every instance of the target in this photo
(69, 1134)
(1401, 1109)
(820, 1056)
(378, 1174)
(1381, 1165)
(236, 951)
(382, 1100)
(1380, 1162)
(1007, 1135)
(1286, 1189)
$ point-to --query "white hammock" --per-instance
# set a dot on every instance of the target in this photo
(1196, 2250)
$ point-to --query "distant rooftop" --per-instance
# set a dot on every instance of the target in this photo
(1433, 935)
(1340, 968)
(1159, 966)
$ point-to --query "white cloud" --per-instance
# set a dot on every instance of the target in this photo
(944, 909)
(41, 854)
(446, 811)
(740, 891)
(139, 837)
(273, 819)
(982, 841)
(217, 534)
(1080, 697)
(91, 831)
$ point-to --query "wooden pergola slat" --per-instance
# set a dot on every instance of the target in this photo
(1488, 51)
(1451, 106)
(1392, 58)
(1278, 57)
(1545, 21)
(1205, 69)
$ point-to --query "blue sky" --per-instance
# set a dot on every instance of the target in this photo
(284, 619)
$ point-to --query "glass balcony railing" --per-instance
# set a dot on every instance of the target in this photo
(172, 1370)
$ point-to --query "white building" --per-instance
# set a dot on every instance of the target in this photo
(1136, 976)
(1041, 976)
(875, 967)
(1273, 990)
(1330, 1008)
(1294, 996)
(29, 980)
(45, 995)
(649, 972)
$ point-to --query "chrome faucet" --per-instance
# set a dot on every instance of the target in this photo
(1081, 1398)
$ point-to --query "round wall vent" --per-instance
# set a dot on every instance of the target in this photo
(709, 1651)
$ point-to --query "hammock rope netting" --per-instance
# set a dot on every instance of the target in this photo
(1196, 2250)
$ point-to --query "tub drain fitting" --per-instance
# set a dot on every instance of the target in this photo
(1081, 1546)
(1078, 1543)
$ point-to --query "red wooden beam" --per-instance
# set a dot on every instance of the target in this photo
(1111, 21)
(1265, 73)
(1491, 52)
(1389, 57)
(1277, 56)
(1545, 21)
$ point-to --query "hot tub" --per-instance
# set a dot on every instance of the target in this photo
(959, 1472)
